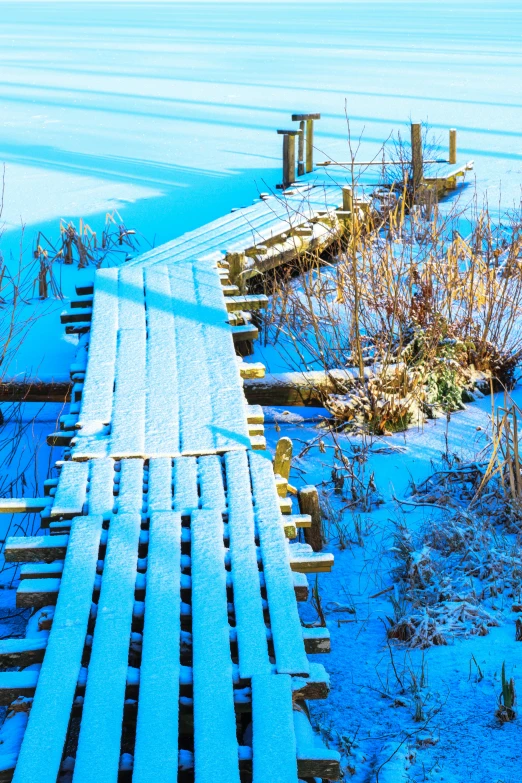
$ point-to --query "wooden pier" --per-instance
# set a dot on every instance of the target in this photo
(169, 638)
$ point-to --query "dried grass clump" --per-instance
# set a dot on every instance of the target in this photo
(404, 294)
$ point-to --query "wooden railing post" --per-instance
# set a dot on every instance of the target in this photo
(308, 498)
(453, 146)
(416, 154)
(307, 121)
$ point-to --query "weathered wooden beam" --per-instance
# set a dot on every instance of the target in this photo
(252, 370)
(300, 150)
(84, 289)
(22, 505)
(244, 332)
(61, 438)
(34, 391)
(250, 302)
(255, 414)
(35, 549)
(81, 316)
(316, 640)
(312, 563)
(22, 652)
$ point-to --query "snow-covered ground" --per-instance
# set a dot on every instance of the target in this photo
(375, 687)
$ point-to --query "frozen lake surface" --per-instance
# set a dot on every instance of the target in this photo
(168, 111)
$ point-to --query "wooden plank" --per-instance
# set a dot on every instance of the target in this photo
(250, 623)
(100, 499)
(162, 409)
(186, 497)
(194, 388)
(128, 417)
(160, 484)
(71, 491)
(284, 618)
(96, 407)
(98, 751)
(273, 738)
(228, 424)
(212, 493)
(214, 715)
(130, 494)
(131, 299)
(156, 750)
(32, 549)
(42, 747)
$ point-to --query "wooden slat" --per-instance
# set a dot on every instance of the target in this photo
(186, 497)
(42, 746)
(212, 493)
(96, 407)
(130, 494)
(71, 492)
(156, 751)
(160, 484)
(194, 382)
(128, 416)
(215, 741)
(100, 499)
(284, 618)
(273, 737)
(250, 623)
(162, 414)
(98, 751)
(228, 423)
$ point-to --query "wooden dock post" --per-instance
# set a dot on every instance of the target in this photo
(308, 120)
(416, 154)
(452, 146)
(300, 150)
(347, 199)
(288, 155)
(308, 498)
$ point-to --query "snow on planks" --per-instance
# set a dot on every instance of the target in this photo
(245, 227)
(169, 368)
(42, 747)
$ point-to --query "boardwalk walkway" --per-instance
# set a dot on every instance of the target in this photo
(175, 650)
(167, 586)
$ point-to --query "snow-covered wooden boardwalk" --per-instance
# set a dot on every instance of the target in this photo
(175, 649)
